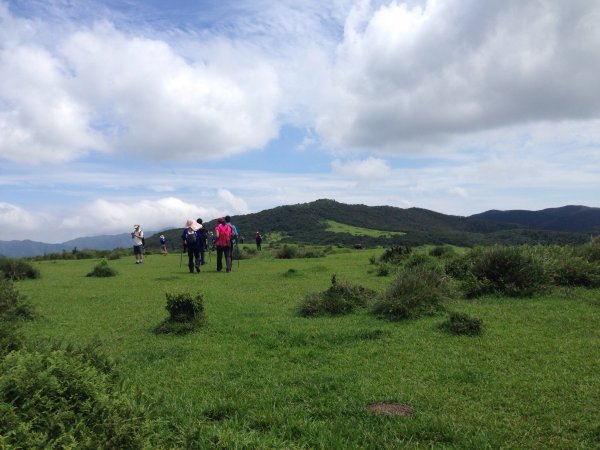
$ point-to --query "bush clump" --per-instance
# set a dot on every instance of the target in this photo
(510, 271)
(341, 298)
(13, 310)
(15, 269)
(576, 271)
(462, 324)
(416, 291)
(61, 398)
(186, 313)
(395, 254)
(102, 269)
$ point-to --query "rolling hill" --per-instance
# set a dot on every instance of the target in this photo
(330, 222)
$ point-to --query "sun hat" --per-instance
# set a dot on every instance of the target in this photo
(191, 223)
(221, 220)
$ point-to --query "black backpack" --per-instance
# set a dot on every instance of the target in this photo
(190, 237)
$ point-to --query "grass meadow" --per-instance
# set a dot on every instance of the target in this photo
(257, 375)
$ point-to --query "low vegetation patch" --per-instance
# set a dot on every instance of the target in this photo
(16, 269)
(340, 298)
(414, 292)
(462, 324)
(186, 313)
(102, 269)
(62, 398)
(14, 308)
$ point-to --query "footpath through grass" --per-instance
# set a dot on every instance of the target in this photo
(259, 376)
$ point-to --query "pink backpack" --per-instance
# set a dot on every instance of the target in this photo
(224, 239)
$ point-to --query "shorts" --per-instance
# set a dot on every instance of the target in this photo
(138, 249)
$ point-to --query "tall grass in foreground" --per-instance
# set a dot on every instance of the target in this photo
(257, 375)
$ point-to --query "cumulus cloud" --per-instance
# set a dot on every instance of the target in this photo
(238, 205)
(409, 77)
(14, 221)
(102, 89)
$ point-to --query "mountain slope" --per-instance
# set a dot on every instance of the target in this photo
(306, 222)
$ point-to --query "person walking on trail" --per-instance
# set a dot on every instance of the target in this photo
(163, 245)
(191, 240)
(137, 236)
(223, 232)
(234, 235)
(203, 241)
(258, 241)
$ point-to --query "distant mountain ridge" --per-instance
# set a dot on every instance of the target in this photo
(22, 249)
(306, 222)
(571, 218)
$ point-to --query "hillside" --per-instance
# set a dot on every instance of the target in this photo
(306, 223)
(572, 218)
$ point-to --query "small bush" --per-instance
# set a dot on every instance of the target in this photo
(13, 309)
(576, 271)
(510, 271)
(13, 306)
(286, 252)
(14, 269)
(442, 251)
(416, 291)
(102, 269)
(339, 299)
(186, 313)
(62, 399)
(395, 254)
(462, 324)
(383, 270)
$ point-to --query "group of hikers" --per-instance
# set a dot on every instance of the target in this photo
(196, 240)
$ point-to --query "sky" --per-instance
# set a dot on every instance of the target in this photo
(119, 112)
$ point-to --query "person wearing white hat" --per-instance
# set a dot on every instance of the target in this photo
(191, 238)
(137, 235)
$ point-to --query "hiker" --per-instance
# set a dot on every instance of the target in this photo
(163, 245)
(258, 241)
(223, 232)
(234, 235)
(191, 240)
(203, 233)
(137, 235)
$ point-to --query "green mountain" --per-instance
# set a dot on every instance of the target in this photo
(378, 225)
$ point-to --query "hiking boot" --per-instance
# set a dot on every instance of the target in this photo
(198, 269)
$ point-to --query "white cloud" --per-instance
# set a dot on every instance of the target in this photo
(239, 205)
(411, 78)
(102, 89)
(16, 222)
(370, 168)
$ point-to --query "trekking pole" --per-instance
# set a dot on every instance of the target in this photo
(238, 252)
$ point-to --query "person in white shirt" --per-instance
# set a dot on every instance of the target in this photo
(138, 244)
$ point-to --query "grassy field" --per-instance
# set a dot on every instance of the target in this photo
(337, 227)
(259, 376)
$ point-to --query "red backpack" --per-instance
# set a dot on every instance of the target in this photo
(224, 239)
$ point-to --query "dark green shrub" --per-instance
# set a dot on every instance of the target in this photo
(421, 260)
(416, 291)
(102, 269)
(186, 313)
(442, 251)
(13, 306)
(462, 324)
(459, 267)
(395, 254)
(13, 309)
(15, 269)
(341, 298)
(511, 271)
(286, 252)
(61, 399)
(183, 307)
(576, 271)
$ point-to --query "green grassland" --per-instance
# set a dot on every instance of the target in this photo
(259, 376)
(336, 227)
